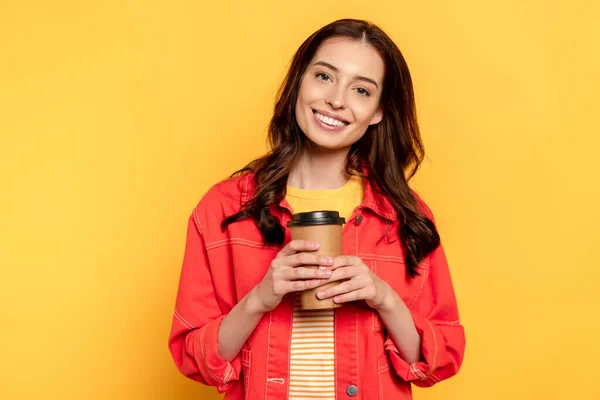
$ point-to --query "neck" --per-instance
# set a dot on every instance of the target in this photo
(319, 170)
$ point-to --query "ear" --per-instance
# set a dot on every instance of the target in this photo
(377, 117)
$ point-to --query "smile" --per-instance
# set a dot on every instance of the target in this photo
(330, 121)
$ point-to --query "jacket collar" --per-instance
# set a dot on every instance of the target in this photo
(377, 203)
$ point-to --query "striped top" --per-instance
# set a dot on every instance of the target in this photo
(311, 354)
(312, 374)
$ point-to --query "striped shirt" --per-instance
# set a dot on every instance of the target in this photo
(312, 362)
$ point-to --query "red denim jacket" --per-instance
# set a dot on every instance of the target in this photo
(221, 267)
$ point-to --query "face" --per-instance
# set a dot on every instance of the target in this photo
(339, 94)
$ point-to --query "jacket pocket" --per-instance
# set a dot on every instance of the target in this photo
(246, 370)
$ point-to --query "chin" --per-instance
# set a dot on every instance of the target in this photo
(327, 142)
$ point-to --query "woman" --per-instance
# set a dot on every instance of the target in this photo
(343, 137)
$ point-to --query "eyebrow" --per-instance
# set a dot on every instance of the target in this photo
(360, 78)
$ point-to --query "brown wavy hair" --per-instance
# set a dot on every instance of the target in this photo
(390, 152)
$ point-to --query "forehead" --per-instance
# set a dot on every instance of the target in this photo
(351, 57)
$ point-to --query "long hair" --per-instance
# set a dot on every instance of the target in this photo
(390, 151)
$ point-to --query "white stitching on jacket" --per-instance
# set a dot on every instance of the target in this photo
(204, 355)
(197, 221)
(240, 241)
(183, 321)
(268, 351)
(433, 363)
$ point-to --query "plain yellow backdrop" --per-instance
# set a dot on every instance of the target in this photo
(117, 116)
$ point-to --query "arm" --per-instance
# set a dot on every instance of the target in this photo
(204, 342)
(436, 321)
(238, 325)
(425, 344)
(193, 340)
(285, 275)
(400, 326)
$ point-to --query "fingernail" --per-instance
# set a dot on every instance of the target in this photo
(321, 267)
(315, 245)
(327, 274)
(329, 259)
(320, 294)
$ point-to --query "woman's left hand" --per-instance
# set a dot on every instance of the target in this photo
(360, 283)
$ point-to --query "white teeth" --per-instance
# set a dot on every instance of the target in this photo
(329, 121)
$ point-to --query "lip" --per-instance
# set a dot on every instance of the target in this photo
(326, 127)
(330, 115)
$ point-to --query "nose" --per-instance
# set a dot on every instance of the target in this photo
(336, 99)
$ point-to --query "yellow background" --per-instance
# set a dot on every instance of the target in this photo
(117, 116)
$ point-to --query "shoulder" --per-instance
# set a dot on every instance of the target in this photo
(237, 189)
(224, 199)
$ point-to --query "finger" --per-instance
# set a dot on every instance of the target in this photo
(362, 294)
(298, 245)
(344, 273)
(300, 285)
(342, 288)
(306, 259)
(291, 274)
(344, 261)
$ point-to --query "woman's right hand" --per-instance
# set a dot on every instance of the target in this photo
(287, 274)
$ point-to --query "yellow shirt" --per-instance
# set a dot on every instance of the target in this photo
(344, 199)
(312, 346)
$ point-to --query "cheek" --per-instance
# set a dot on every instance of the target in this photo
(364, 112)
(304, 89)
(303, 101)
(303, 98)
(311, 91)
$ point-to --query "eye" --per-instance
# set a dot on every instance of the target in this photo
(363, 92)
(322, 76)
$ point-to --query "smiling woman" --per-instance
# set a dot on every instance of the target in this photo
(344, 138)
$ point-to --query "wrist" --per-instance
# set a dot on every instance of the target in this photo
(390, 302)
(253, 304)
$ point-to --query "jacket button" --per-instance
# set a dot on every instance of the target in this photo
(358, 219)
(351, 390)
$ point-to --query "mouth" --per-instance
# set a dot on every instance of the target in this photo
(330, 121)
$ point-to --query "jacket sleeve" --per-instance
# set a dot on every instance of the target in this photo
(437, 322)
(197, 318)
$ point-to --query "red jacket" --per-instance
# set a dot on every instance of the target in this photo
(220, 268)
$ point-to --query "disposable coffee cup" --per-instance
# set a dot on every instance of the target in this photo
(325, 228)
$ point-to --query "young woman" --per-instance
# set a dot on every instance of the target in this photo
(344, 137)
